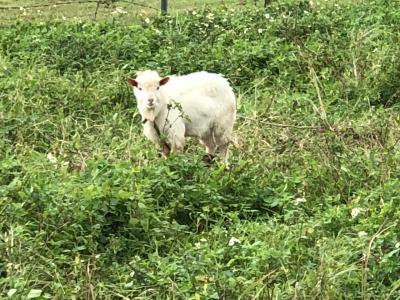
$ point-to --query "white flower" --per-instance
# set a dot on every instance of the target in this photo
(233, 241)
(355, 212)
(299, 200)
(51, 158)
(267, 16)
(260, 30)
(120, 11)
(362, 233)
(203, 240)
(397, 245)
(194, 13)
(147, 20)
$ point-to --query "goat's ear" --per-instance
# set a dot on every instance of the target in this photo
(164, 80)
(132, 82)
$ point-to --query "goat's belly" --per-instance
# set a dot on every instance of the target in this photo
(196, 131)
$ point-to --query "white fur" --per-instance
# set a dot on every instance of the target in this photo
(208, 109)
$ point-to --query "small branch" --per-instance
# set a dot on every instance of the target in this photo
(364, 284)
(97, 9)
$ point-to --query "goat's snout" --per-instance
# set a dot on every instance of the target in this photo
(150, 101)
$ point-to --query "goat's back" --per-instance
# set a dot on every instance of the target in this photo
(200, 85)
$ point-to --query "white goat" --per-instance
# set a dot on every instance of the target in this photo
(200, 104)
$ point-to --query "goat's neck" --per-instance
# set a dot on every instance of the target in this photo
(161, 118)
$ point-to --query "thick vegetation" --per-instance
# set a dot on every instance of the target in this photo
(307, 210)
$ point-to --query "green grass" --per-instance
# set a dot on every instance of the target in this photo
(307, 210)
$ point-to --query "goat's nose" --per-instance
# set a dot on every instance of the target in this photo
(150, 100)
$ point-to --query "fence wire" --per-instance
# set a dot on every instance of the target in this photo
(22, 7)
(71, 9)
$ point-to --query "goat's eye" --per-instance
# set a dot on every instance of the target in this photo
(140, 89)
(158, 88)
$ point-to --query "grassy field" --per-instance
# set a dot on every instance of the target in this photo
(41, 10)
(309, 208)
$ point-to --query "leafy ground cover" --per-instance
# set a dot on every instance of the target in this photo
(307, 210)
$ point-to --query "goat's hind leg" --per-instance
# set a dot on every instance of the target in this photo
(223, 143)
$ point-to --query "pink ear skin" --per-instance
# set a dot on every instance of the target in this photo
(164, 80)
(132, 82)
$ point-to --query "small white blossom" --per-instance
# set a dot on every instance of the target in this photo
(260, 30)
(233, 241)
(362, 234)
(194, 13)
(397, 245)
(355, 212)
(147, 20)
(119, 11)
(299, 200)
(51, 158)
(203, 240)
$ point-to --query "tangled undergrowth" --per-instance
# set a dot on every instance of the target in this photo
(307, 210)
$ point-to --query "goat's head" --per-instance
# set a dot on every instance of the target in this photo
(146, 87)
